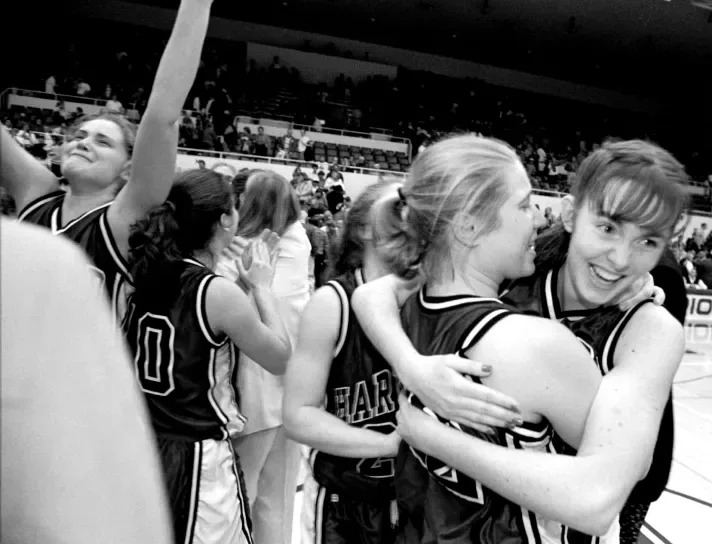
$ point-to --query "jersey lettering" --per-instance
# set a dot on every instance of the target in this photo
(363, 401)
(154, 354)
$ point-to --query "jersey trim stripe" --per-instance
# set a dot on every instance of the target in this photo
(344, 325)
(58, 229)
(194, 491)
(113, 248)
(242, 498)
(446, 303)
(201, 312)
(612, 341)
(477, 330)
(222, 416)
(36, 203)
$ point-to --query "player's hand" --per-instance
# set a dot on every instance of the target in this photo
(440, 383)
(641, 289)
(260, 271)
(414, 425)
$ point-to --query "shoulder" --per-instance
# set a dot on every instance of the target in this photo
(294, 237)
(650, 329)
(528, 340)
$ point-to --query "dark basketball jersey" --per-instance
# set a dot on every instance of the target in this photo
(599, 330)
(91, 231)
(183, 368)
(454, 507)
(362, 392)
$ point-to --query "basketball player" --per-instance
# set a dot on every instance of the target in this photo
(349, 492)
(79, 462)
(466, 219)
(625, 205)
(181, 325)
(109, 187)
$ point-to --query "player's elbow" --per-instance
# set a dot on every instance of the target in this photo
(604, 504)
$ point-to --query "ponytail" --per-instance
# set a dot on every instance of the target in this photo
(398, 238)
(155, 250)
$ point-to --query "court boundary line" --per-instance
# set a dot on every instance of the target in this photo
(689, 497)
(653, 535)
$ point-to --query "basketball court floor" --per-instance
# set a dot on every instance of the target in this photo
(683, 515)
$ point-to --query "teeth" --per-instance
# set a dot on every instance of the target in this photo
(605, 276)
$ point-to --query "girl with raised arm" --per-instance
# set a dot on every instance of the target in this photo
(110, 185)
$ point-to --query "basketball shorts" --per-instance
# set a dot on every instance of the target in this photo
(206, 492)
(330, 518)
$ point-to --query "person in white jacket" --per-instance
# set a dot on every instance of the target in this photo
(270, 461)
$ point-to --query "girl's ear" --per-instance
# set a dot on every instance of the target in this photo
(568, 212)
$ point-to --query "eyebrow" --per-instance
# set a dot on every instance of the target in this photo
(526, 197)
(650, 233)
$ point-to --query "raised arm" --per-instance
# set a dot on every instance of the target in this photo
(305, 419)
(154, 157)
(21, 174)
(587, 491)
(438, 381)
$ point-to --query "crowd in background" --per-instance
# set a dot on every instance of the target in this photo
(550, 134)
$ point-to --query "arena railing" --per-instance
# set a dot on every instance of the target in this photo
(306, 165)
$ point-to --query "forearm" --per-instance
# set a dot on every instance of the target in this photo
(325, 432)
(376, 307)
(269, 313)
(179, 63)
(571, 490)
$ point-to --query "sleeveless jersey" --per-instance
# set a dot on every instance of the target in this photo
(455, 507)
(92, 232)
(360, 390)
(185, 371)
(599, 330)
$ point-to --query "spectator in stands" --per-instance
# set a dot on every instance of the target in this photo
(318, 202)
(303, 187)
(245, 144)
(319, 243)
(209, 138)
(113, 105)
(83, 88)
(335, 198)
(60, 113)
(303, 145)
(186, 133)
(201, 164)
(50, 84)
(703, 266)
(261, 142)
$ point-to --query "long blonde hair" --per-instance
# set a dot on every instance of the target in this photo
(450, 181)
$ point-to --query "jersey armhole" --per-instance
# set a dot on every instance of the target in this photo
(344, 322)
(202, 313)
(36, 203)
(609, 348)
(116, 256)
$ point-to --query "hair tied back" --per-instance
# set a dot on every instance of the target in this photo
(402, 203)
